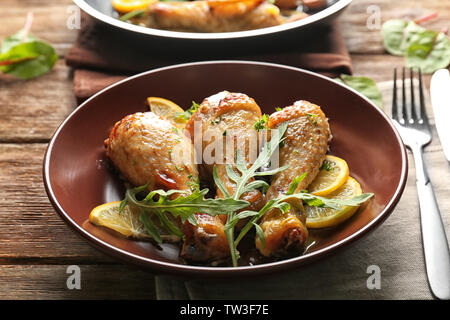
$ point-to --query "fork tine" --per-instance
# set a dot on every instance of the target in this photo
(394, 98)
(422, 115)
(414, 114)
(405, 115)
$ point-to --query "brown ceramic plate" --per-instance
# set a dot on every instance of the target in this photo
(77, 179)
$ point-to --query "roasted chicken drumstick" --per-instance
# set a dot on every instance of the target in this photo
(149, 149)
(227, 121)
(304, 149)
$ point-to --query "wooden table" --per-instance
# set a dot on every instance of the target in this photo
(36, 246)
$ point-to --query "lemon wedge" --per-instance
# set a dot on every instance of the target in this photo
(332, 175)
(126, 222)
(167, 109)
(324, 217)
(125, 6)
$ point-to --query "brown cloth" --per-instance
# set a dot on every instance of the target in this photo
(102, 56)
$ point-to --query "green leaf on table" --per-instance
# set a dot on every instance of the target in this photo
(429, 51)
(363, 85)
(398, 34)
(28, 60)
(425, 49)
(15, 39)
(26, 57)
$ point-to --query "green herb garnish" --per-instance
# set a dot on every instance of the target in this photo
(158, 204)
(132, 14)
(327, 165)
(262, 123)
(216, 120)
(186, 115)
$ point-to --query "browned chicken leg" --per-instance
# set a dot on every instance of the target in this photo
(213, 15)
(227, 118)
(304, 149)
(149, 149)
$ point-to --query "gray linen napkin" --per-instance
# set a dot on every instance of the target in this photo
(395, 247)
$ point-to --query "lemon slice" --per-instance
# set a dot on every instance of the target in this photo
(125, 6)
(167, 109)
(126, 222)
(323, 217)
(332, 175)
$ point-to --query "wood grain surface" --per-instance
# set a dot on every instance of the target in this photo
(36, 246)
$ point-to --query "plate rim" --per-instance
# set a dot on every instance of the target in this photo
(317, 17)
(209, 271)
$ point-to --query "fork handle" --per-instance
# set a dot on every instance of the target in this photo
(436, 250)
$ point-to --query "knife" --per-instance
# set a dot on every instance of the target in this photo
(440, 100)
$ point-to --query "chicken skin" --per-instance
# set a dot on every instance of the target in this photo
(224, 123)
(213, 15)
(149, 149)
(304, 149)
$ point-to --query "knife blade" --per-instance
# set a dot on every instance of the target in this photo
(440, 101)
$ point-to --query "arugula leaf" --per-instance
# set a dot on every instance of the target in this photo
(242, 178)
(219, 183)
(317, 201)
(160, 204)
(260, 233)
(150, 227)
(294, 184)
(24, 56)
(312, 200)
(184, 206)
(363, 85)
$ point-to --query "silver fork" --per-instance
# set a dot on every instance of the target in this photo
(412, 123)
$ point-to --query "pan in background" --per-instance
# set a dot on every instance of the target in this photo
(103, 11)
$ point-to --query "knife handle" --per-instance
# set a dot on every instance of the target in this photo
(435, 245)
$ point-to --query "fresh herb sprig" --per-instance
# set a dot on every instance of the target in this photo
(243, 178)
(186, 115)
(24, 56)
(262, 123)
(166, 207)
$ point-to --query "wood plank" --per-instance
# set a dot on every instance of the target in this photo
(97, 282)
(32, 110)
(29, 226)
